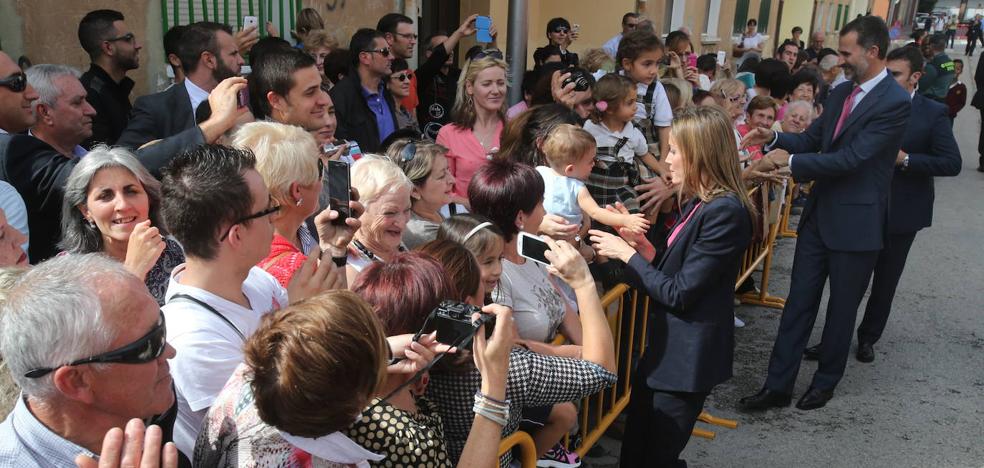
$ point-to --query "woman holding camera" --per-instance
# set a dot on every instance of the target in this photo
(287, 158)
(400, 422)
(112, 205)
(691, 338)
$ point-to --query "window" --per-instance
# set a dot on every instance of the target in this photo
(764, 9)
(712, 18)
(741, 16)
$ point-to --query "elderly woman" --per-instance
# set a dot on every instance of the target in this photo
(287, 159)
(385, 192)
(426, 166)
(398, 85)
(730, 95)
(799, 116)
(805, 86)
(11, 251)
(112, 205)
(477, 119)
(401, 423)
(318, 44)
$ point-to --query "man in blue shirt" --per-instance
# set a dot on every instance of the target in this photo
(366, 111)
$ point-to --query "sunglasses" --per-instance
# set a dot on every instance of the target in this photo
(16, 82)
(408, 36)
(408, 152)
(403, 77)
(493, 53)
(145, 349)
(128, 37)
(259, 214)
(385, 52)
(561, 30)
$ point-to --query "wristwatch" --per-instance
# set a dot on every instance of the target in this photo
(905, 162)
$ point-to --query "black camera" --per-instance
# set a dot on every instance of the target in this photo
(580, 78)
(453, 322)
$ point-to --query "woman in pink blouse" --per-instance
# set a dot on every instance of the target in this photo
(477, 119)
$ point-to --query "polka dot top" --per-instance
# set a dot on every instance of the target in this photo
(405, 439)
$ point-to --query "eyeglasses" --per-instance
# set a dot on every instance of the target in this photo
(403, 77)
(259, 214)
(407, 36)
(738, 98)
(493, 53)
(145, 349)
(385, 52)
(16, 82)
(560, 30)
(128, 37)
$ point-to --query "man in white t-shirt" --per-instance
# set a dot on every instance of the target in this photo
(216, 205)
(629, 22)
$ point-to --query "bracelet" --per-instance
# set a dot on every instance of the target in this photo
(491, 417)
(340, 261)
(480, 395)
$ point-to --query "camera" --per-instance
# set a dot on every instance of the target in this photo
(453, 322)
(331, 147)
(579, 77)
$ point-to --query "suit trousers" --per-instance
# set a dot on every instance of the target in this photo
(659, 426)
(813, 264)
(888, 270)
(980, 142)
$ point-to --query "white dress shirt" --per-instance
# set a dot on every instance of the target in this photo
(195, 94)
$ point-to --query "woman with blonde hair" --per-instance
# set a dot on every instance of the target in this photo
(477, 119)
(426, 165)
(287, 158)
(385, 192)
(691, 341)
(730, 95)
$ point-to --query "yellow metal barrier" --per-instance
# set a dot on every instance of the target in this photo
(787, 208)
(760, 253)
(527, 449)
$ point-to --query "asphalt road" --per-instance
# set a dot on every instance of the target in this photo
(921, 403)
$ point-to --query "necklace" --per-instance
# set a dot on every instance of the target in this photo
(368, 254)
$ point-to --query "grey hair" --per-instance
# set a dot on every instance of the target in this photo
(42, 76)
(78, 236)
(53, 315)
(829, 62)
(797, 104)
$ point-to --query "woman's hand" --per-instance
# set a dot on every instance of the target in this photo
(567, 264)
(692, 75)
(492, 355)
(315, 277)
(335, 239)
(143, 249)
(653, 192)
(415, 355)
(557, 227)
(138, 449)
(611, 246)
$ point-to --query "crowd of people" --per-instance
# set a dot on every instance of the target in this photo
(405, 324)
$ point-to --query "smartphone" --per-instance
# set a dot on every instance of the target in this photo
(533, 248)
(692, 60)
(242, 99)
(482, 24)
(721, 57)
(250, 21)
(575, 28)
(339, 191)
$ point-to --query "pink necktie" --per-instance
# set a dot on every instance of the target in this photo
(846, 111)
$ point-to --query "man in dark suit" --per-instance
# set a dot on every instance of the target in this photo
(211, 61)
(850, 153)
(928, 150)
(978, 102)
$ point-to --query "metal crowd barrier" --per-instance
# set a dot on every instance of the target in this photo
(787, 208)
(628, 322)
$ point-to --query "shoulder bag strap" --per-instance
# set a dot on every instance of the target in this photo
(210, 309)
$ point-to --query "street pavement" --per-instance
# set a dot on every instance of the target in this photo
(921, 403)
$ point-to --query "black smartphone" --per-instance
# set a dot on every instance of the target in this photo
(339, 190)
(533, 248)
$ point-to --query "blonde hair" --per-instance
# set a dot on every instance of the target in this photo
(567, 144)
(307, 20)
(597, 59)
(463, 113)
(317, 39)
(723, 90)
(285, 154)
(374, 176)
(421, 163)
(684, 92)
(705, 139)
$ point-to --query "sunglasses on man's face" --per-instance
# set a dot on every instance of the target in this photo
(144, 350)
(385, 52)
(16, 82)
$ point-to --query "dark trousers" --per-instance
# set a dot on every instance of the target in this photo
(888, 270)
(813, 263)
(980, 142)
(972, 43)
(659, 426)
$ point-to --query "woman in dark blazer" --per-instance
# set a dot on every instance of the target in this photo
(691, 338)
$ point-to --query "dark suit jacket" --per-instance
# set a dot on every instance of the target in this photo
(355, 120)
(692, 334)
(167, 116)
(932, 152)
(111, 100)
(978, 99)
(853, 172)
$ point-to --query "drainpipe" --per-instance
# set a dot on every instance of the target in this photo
(516, 46)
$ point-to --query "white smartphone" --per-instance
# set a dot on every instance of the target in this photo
(249, 21)
(720, 58)
(533, 248)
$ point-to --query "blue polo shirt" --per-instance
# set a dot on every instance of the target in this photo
(379, 107)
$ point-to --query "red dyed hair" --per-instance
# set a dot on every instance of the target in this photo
(404, 290)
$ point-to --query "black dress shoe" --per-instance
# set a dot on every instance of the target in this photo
(866, 351)
(814, 398)
(812, 353)
(764, 400)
